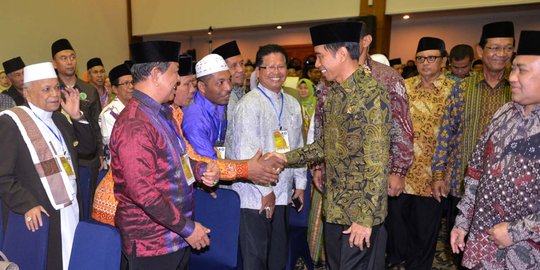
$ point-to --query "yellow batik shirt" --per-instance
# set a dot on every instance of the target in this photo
(427, 108)
(355, 145)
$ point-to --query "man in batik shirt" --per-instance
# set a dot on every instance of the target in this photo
(500, 210)
(354, 145)
(414, 217)
(468, 111)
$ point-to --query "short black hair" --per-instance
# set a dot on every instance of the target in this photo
(268, 49)
(461, 51)
(352, 47)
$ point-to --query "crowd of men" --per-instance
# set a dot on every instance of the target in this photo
(387, 156)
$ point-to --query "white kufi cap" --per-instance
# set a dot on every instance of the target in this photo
(380, 58)
(210, 64)
(39, 71)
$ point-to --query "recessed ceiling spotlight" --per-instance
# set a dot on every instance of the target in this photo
(406, 17)
(279, 27)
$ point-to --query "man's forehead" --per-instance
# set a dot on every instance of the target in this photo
(500, 41)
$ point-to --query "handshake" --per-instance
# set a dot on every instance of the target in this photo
(265, 169)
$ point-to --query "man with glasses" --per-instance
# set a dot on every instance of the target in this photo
(469, 109)
(499, 211)
(267, 118)
(414, 217)
(96, 74)
(122, 87)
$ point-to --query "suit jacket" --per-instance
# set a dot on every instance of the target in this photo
(20, 185)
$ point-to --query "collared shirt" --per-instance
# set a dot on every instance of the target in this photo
(107, 118)
(468, 111)
(401, 134)
(204, 126)
(6, 102)
(355, 145)
(155, 202)
(427, 109)
(253, 127)
(502, 184)
(228, 169)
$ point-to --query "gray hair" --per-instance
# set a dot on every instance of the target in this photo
(141, 71)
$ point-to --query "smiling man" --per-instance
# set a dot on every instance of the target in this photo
(499, 210)
(231, 53)
(150, 164)
(205, 121)
(38, 136)
(355, 146)
(267, 119)
(469, 109)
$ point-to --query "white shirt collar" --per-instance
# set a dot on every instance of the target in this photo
(43, 115)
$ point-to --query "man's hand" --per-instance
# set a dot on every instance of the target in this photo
(280, 156)
(396, 184)
(457, 240)
(102, 163)
(318, 179)
(299, 193)
(199, 238)
(211, 176)
(71, 104)
(499, 235)
(261, 170)
(33, 219)
(358, 234)
(438, 189)
(268, 204)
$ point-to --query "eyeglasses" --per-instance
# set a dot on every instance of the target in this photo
(497, 49)
(429, 58)
(274, 68)
(127, 84)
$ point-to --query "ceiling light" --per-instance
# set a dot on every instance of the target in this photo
(406, 17)
(279, 27)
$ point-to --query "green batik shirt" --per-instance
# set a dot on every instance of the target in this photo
(469, 108)
(355, 145)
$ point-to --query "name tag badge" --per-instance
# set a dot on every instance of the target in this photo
(220, 151)
(188, 172)
(67, 166)
(281, 141)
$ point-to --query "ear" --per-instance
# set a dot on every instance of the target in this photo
(201, 86)
(155, 74)
(257, 71)
(342, 54)
(479, 51)
(366, 41)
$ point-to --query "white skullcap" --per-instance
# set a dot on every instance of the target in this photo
(380, 58)
(210, 64)
(39, 71)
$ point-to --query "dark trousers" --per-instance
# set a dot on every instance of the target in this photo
(340, 256)
(413, 225)
(178, 260)
(451, 215)
(263, 242)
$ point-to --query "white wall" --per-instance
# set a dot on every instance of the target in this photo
(453, 30)
(94, 28)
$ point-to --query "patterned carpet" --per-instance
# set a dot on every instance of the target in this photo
(443, 254)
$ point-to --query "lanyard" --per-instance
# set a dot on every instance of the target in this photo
(219, 126)
(273, 106)
(59, 138)
(175, 132)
